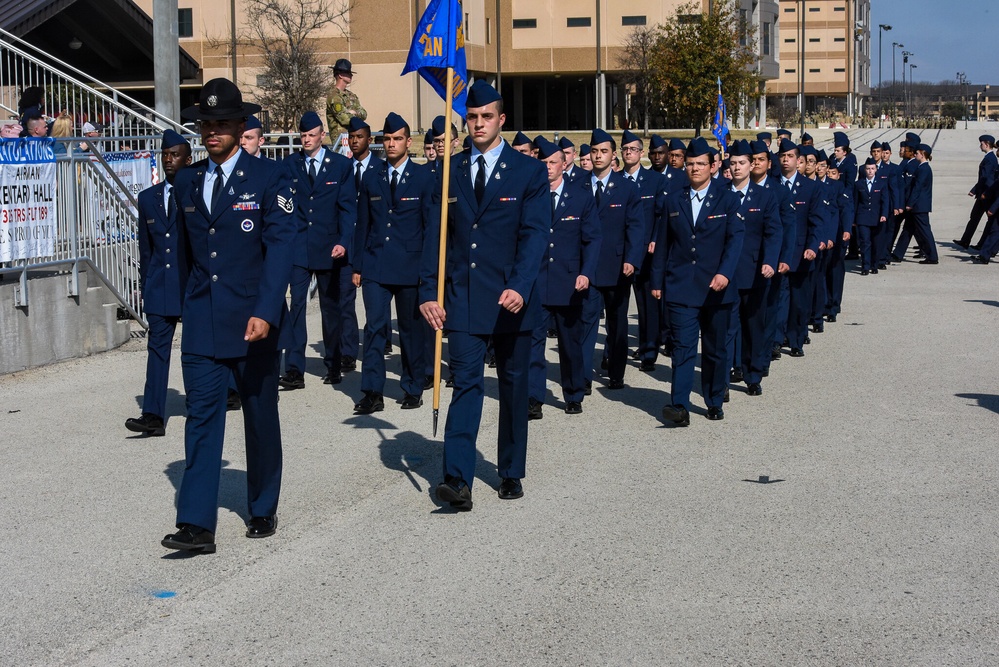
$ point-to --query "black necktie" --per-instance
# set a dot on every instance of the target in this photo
(480, 179)
(600, 191)
(217, 187)
(392, 185)
(742, 195)
(790, 185)
(312, 171)
(171, 207)
(554, 201)
(357, 177)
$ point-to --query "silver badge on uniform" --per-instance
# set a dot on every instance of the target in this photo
(247, 225)
(212, 100)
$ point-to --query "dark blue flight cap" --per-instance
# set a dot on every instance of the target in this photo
(253, 123)
(677, 145)
(310, 121)
(428, 138)
(740, 148)
(655, 141)
(913, 139)
(885, 146)
(823, 157)
(467, 144)
(988, 138)
(806, 137)
(759, 147)
(520, 140)
(698, 147)
(546, 149)
(584, 150)
(393, 123)
(171, 139)
(356, 124)
(437, 127)
(786, 146)
(870, 161)
(764, 136)
(926, 148)
(805, 150)
(628, 137)
(481, 94)
(536, 139)
(784, 133)
(564, 143)
(840, 140)
(599, 136)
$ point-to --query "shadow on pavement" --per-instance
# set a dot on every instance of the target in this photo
(987, 401)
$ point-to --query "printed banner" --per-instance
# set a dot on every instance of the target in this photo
(137, 171)
(27, 199)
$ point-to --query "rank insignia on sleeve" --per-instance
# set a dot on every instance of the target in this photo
(286, 204)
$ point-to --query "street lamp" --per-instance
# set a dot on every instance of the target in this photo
(881, 29)
(905, 97)
(912, 66)
(962, 81)
(893, 45)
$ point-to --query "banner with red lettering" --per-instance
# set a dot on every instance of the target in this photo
(27, 199)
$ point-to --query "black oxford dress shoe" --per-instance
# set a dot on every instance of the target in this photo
(293, 379)
(864, 272)
(348, 364)
(511, 489)
(830, 318)
(961, 243)
(797, 352)
(233, 401)
(261, 526)
(573, 408)
(716, 414)
(929, 261)
(647, 367)
(534, 409)
(676, 414)
(410, 402)
(587, 387)
(190, 538)
(615, 384)
(978, 259)
(148, 423)
(808, 341)
(372, 402)
(428, 382)
(874, 272)
(727, 396)
(735, 375)
(754, 389)
(333, 377)
(456, 493)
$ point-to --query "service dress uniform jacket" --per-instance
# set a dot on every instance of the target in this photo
(919, 204)
(810, 224)
(163, 275)
(492, 245)
(240, 254)
(652, 190)
(326, 213)
(388, 246)
(870, 206)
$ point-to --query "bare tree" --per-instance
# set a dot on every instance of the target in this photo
(285, 33)
(635, 60)
(783, 110)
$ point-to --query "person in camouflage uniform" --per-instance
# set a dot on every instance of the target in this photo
(342, 105)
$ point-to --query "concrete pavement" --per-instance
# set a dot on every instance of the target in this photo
(875, 542)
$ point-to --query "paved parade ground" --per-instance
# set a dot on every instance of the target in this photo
(875, 541)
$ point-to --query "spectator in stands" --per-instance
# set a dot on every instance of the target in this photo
(61, 128)
(31, 105)
(90, 130)
(36, 127)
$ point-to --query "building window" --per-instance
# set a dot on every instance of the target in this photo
(840, 69)
(185, 22)
(839, 9)
(743, 26)
(789, 40)
(814, 9)
(815, 70)
(632, 20)
(839, 39)
(790, 70)
(489, 31)
(789, 10)
(689, 19)
(813, 40)
(525, 23)
(465, 27)
(768, 38)
(577, 22)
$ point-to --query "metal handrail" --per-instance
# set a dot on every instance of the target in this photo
(90, 87)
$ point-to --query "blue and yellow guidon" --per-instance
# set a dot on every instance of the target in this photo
(439, 43)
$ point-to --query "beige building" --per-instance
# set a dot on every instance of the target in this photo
(836, 36)
(543, 54)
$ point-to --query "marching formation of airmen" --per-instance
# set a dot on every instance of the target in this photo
(741, 256)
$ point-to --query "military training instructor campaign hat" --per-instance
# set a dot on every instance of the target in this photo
(220, 99)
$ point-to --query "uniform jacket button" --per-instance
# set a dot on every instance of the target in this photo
(473, 265)
(215, 279)
(213, 255)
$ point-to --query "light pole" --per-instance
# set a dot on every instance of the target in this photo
(912, 66)
(801, 64)
(893, 79)
(905, 97)
(962, 81)
(882, 28)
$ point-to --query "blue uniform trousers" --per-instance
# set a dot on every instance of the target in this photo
(159, 343)
(349, 337)
(835, 277)
(615, 301)
(800, 292)
(748, 343)
(868, 244)
(206, 383)
(917, 225)
(569, 325)
(977, 211)
(712, 322)
(819, 293)
(330, 308)
(778, 301)
(649, 320)
(513, 357)
(412, 329)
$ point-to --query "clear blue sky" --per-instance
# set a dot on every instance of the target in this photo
(945, 36)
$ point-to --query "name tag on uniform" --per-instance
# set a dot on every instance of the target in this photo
(188, 209)
(378, 198)
(674, 214)
(150, 221)
(452, 200)
(246, 206)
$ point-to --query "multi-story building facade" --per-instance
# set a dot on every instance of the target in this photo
(834, 37)
(557, 62)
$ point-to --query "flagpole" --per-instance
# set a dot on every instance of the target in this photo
(445, 189)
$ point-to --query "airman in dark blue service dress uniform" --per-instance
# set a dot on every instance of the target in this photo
(499, 217)
(871, 209)
(984, 189)
(395, 209)
(162, 278)
(696, 257)
(326, 210)
(569, 260)
(238, 215)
